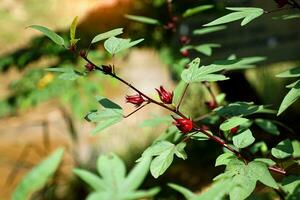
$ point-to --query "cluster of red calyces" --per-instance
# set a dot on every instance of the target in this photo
(136, 99)
(281, 3)
(183, 124)
(164, 95)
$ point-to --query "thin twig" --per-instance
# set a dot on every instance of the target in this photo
(139, 108)
(213, 96)
(182, 96)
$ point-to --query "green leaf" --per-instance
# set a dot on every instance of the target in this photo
(142, 19)
(204, 73)
(178, 92)
(290, 185)
(179, 150)
(295, 72)
(112, 170)
(164, 151)
(259, 171)
(162, 162)
(184, 191)
(243, 139)
(267, 126)
(245, 13)
(232, 122)
(292, 96)
(239, 63)
(106, 103)
(243, 187)
(217, 191)
(66, 73)
(93, 180)
(283, 149)
(241, 109)
(141, 194)
(207, 30)
(136, 176)
(287, 17)
(73, 27)
(206, 49)
(38, 176)
(267, 161)
(296, 148)
(114, 45)
(108, 34)
(196, 10)
(110, 115)
(224, 159)
(49, 33)
(259, 147)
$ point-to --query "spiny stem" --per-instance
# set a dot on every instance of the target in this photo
(182, 96)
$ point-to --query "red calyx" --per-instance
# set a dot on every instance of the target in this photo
(165, 96)
(183, 124)
(234, 130)
(82, 53)
(211, 104)
(107, 69)
(185, 53)
(137, 99)
(90, 67)
(281, 3)
(170, 26)
(184, 39)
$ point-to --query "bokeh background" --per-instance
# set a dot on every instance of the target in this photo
(40, 112)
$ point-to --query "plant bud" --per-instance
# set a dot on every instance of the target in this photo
(234, 130)
(165, 96)
(137, 99)
(82, 53)
(183, 124)
(185, 53)
(90, 67)
(184, 39)
(107, 69)
(211, 104)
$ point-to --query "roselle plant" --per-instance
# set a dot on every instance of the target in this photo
(246, 159)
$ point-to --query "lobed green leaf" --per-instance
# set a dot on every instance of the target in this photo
(49, 33)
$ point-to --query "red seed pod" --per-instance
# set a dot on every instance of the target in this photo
(165, 96)
(211, 104)
(183, 124)
(185, 53)
(136, 99)
(234, 130)
(90, 67)
(184, 39)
